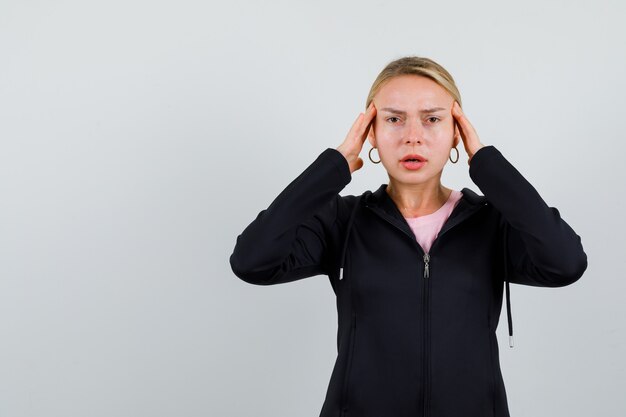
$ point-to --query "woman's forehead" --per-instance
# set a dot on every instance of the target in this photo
(415, 93)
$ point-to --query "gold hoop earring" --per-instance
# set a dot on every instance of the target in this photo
(370, 156)
(457, 156)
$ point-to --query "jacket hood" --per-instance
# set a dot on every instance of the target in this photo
(380, 200)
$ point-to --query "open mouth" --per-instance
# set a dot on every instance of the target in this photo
(413, 162)
(413, 158)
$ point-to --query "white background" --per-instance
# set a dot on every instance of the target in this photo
(139, 138)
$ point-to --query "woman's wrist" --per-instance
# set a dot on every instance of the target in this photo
(480, 146)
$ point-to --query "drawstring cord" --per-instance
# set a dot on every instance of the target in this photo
(508, 290)
(508, 313)
(345, 242)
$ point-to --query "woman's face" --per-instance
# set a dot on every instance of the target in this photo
(408, 122)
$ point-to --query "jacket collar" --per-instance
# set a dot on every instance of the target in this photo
(381, 199)
(380, 202)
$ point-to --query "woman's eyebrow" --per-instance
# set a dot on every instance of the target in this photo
(395, 111)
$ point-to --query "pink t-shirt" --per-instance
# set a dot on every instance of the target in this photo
(427, 227)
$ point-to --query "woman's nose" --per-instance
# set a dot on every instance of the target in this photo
(413, 132)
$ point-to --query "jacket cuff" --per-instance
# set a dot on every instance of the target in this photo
(341, 164)
(483, 154)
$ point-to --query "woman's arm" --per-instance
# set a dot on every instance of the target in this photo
(541, 248)
(289, 240)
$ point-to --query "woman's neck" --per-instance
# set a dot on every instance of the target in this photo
(414, 200)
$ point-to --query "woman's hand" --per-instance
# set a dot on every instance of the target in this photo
(352, 145)
(471, 141)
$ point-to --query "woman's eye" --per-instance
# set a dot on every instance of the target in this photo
(393, 119)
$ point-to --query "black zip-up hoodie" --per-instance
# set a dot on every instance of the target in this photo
(416, 331)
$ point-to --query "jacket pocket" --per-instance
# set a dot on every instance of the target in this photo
(493, 371)
(346, 377)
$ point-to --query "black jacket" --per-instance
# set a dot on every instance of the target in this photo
(416, 332)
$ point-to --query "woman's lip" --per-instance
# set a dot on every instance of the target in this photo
(413, 166)
(413, 156)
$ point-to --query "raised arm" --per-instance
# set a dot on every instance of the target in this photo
(293, 237)
(541, 248)
(289, 240)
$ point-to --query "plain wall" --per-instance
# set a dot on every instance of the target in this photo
(139, 138)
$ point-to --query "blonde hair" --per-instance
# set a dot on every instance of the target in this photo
(415, 65)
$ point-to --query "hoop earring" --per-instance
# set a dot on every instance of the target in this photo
(457, 156)
(370, 156)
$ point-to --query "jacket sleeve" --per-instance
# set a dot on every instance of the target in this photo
(541, 249)
(289, 240)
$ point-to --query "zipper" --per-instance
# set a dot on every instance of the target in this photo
(426, 356)
(425, 297)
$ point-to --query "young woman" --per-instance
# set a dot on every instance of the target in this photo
(418, 268)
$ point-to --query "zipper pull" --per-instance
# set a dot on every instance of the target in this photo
(341, 273)
(426, 259)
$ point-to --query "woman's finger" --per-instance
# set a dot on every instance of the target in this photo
(368, 120)
(467, 130)
(353, 143)
(471, 141)
(353, 132)
(361, 124)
